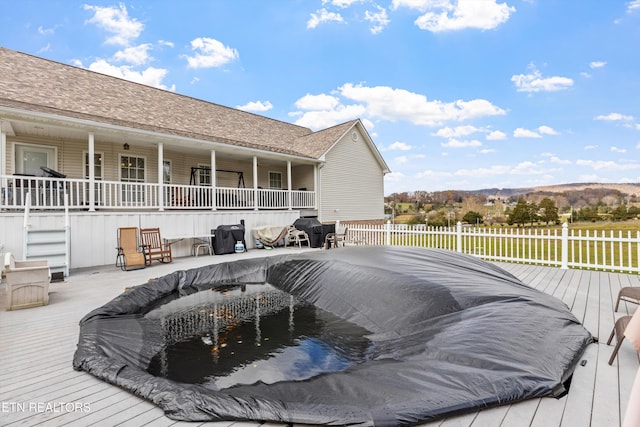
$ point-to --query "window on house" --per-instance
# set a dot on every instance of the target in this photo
(97, 165)
(29, 158)
(204, 175)
(132, 170)
(275, 180)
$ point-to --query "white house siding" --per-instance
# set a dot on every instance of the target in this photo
(303, 177)
(94, 234)
(352, 182)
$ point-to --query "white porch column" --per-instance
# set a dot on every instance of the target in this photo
(3, 154)
(214, 184)
(316, 171)
(255, 182)
(92, 172)
(289, 184)
(160, 177)
(4, 195)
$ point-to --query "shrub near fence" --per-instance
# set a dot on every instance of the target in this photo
(597, 250)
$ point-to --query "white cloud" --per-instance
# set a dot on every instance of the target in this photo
(399, 104)
(614, 117)
(546, 130)
(46, 48)
(136, 55)
(255, 106)
(496, 135)
(558, 161)
(341, 3)
(455, 143)
(400, 146)
(45, 31)
(597, 64)
(401, 159)
(420, 5)
(378, 20)
(607, 164)
(210, 53)
(590, 147)
(487, 151)
(317, 102)
(618, 149)
(448, 15)
(116, 21)
(489, 171)
(323, 16)
(476, 108)
(535, 82)
(150, 77)
(525, 133)
(633, 6)
(385, 103)
(458, 131)
(394, 176)
(324, 119)
(433, 174)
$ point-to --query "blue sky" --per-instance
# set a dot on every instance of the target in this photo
(456, 94)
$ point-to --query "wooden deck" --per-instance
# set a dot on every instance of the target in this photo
(39, 386)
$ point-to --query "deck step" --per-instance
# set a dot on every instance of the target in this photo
(49, 244)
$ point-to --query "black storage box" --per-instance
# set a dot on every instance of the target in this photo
(314, 230)
(225, 238)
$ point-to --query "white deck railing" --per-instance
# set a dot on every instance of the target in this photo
(48, 193)
(598, 250)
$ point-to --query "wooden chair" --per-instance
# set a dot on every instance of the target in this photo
(154, 247)
(628, 294)
(130, 253)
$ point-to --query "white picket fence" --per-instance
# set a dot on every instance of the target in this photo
(567, 248)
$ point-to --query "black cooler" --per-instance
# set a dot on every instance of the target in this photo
(225, 238)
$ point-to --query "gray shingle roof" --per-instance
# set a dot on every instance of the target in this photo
(40, 85)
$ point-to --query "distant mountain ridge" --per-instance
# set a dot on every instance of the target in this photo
(630, 189)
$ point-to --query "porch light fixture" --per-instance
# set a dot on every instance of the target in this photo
(126, 146)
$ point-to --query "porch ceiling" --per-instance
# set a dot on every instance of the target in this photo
(52, 131)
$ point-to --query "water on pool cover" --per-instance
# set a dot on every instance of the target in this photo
(251, 334)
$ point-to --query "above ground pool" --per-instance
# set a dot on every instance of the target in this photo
(360, 335)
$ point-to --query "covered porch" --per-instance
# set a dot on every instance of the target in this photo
(51, 164)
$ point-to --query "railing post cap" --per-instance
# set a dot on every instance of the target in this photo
(565, 225)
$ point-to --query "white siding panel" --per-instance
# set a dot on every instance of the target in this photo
(94, 234)
(352, 183)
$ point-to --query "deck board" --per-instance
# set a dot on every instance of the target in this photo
(37, 347)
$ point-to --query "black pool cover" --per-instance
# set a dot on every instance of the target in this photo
(359, 335)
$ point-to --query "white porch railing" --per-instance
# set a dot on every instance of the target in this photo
(48, 193)
(598, 250)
